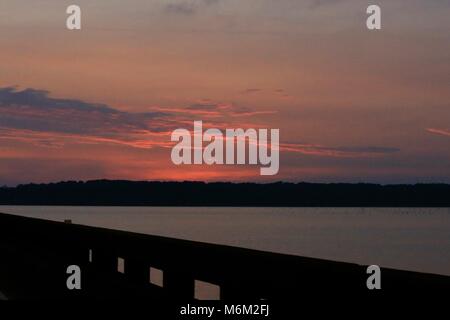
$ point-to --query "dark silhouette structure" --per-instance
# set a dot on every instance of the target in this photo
(129, 193)
(35, 255)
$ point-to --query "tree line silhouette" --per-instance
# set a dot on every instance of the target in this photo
(146, 193)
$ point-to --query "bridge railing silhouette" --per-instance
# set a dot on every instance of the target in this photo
(36, 253)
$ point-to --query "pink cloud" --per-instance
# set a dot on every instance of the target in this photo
(442, 132)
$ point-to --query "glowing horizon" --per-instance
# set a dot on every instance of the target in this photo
(351, 105)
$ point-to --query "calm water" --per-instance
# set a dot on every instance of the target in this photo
(413, 239)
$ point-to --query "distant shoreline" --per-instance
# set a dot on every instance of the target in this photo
(214, 206)
(223, 194)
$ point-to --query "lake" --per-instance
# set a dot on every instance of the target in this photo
(416, 239)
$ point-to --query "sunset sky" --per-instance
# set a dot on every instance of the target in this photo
(351, 104)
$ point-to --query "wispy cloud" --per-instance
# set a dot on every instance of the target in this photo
(442, 132)
(33, 116)
(209, 110)
(338, 152)
(35, 110)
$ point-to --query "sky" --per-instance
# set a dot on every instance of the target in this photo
(352, 105)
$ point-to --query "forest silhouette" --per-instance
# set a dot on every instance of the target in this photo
(147, 193)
